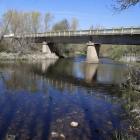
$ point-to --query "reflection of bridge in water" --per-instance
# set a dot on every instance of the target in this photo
(64, 73)
(88, 73)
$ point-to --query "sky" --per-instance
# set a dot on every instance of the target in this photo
(88, 12)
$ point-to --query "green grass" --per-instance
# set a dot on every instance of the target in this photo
(130, 63)
(118, 135)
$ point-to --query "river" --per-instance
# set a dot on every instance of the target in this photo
(41, 97)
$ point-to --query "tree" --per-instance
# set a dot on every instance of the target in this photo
(74, 24)
(62, 25)
(5, 21)
(48, 21)
(91, 27)
(36, 19)
(17, 22)
(124, 4)
(97, 26)
(62, 49)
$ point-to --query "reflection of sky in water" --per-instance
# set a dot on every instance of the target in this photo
(80, 75)
(78, 70)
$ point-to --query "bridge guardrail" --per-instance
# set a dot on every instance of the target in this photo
(111, 31)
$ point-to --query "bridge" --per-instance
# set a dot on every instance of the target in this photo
(93, 39)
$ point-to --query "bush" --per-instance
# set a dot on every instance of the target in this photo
(64, 50)
(2, 48)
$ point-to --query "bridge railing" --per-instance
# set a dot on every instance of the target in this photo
(104, 31)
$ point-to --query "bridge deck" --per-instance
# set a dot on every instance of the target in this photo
(112, 31)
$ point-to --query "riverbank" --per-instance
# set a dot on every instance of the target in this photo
(129, 63)
(33, 56)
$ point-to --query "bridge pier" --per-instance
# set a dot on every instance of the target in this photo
(45, 48)
(92, 52)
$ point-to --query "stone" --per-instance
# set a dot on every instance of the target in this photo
(74, 124)
(109, 122)
(10, 137)
(55, 135)
(62, 136)
(59, 120)
(28, 138)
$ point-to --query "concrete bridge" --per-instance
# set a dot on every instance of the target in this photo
(93, 39)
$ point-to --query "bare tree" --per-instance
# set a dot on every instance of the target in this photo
(124, 4)
(48, 21)
(5, 24)
(91, 27)
(74, 24)
(97, 26)
(23, 44)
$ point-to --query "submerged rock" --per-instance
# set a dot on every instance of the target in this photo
(59, 120)
(74, 124)
(28, 138)
(62, 136)
(109, 122)
(55, 135)
(10, 137)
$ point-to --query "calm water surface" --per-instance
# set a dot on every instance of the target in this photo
(39, 97)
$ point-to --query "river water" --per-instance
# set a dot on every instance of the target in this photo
(40, 97)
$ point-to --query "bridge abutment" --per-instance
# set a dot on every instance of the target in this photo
(45, 48)
(92, 52)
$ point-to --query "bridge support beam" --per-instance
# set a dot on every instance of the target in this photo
(92, 52)
(45, 48)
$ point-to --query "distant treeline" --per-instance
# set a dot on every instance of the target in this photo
(14, 21)
(18, 21)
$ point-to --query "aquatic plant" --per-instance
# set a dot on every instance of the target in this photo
(118, 135)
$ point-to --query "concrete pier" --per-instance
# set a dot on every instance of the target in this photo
(45, 48)
(92, 52)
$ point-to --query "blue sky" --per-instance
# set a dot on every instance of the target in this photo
(88, 12)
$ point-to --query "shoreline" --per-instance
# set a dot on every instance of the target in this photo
(33, 56)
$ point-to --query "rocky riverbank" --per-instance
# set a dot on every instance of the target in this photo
(135, 114)
(34, 56)
(132, 57)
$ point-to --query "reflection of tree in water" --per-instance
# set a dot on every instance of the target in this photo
(20, 77)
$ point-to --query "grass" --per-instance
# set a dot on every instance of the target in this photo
(130, 63)
(118, 135)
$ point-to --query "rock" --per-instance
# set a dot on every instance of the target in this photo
(28, 138)
(74, 112)
(109, 122)
(10, 137)
(135, 114)
(62, 136)
(55, 135)
(59, 120)
(74, 124)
